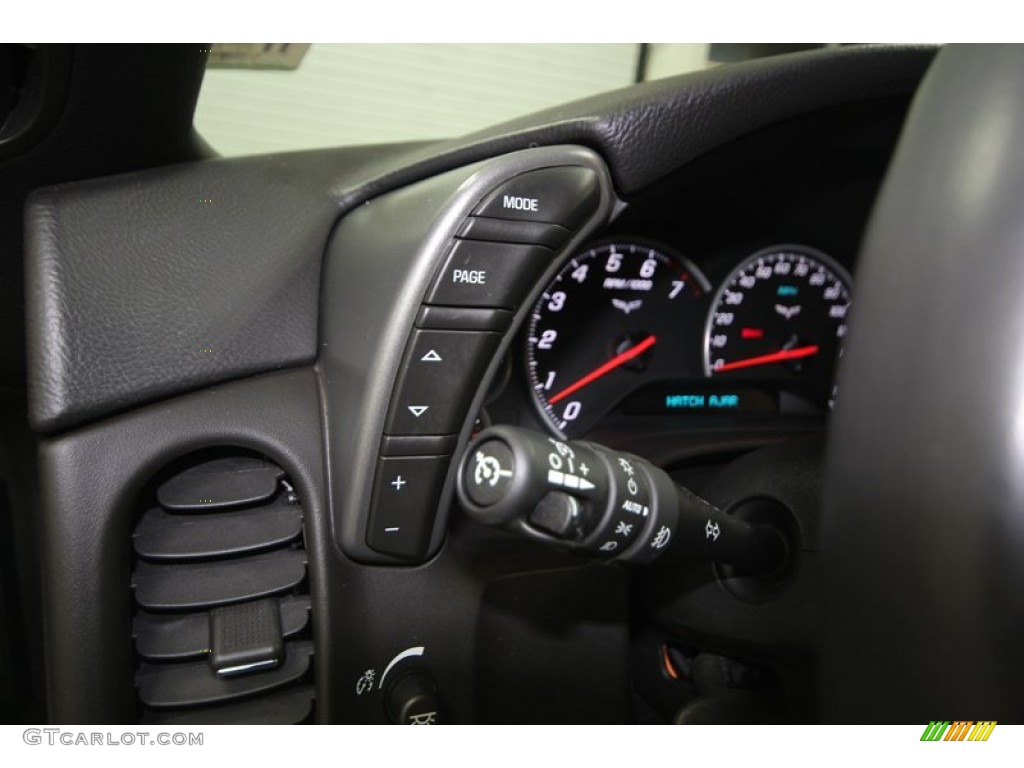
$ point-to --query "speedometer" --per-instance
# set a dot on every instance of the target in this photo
(617, 316)
(780, 317)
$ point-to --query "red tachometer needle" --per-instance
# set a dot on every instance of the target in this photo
(774, 357)
(611, 365)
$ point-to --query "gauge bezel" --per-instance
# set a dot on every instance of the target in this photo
(826, 261)
(695, 272)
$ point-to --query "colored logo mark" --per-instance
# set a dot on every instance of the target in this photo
(958, 730)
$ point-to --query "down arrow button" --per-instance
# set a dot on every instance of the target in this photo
(437, 381)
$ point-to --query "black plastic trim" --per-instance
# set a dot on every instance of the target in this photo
(508, 231)
(195, 684)
(169, 637)
(163, 536)
(287, 707)
(218, 484)
(202, 585)
(418, 445)
(463, 318)
(380, 263)
(88, 512)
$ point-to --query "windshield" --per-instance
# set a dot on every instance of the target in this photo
(273, 97)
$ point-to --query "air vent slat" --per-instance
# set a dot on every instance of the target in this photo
(169, 637)
(219, 484)
(282, 708)
(195, 684)
(189, 586)
(163, 536)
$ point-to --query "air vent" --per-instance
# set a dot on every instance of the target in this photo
(222, 608)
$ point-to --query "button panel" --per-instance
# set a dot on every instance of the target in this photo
(480, 274)
(516, 218)
(405, 494)
(441, 372)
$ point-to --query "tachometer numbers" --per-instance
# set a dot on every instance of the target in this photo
(616, 317)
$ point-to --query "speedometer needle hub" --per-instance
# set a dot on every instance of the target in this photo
(607, 367)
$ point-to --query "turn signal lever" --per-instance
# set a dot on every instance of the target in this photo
(602, 503)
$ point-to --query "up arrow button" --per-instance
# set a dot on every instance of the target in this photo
(440, 374)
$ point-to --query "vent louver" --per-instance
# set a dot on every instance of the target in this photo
(222, 608)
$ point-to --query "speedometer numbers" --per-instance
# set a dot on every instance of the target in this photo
(780, 316)
(616, 316)
(629, 327)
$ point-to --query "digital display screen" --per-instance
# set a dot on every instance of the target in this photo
(699, 397)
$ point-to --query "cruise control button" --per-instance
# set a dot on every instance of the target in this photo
(439, 377)
(566, 195)
(488, 476)
(406, 491)
(481, 274)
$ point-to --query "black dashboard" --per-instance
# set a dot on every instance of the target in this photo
(634, 363)
(253, 411)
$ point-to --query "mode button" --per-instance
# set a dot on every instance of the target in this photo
(565, 195)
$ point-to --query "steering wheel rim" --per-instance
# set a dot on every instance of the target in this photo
(923, 530)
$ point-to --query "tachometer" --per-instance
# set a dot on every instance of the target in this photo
(780, 317)
(617, 316)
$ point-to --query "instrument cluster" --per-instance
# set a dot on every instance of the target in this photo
(633, 328)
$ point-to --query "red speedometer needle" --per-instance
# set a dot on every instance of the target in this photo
(774, 357)
(607, 367)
